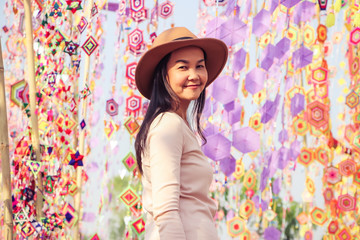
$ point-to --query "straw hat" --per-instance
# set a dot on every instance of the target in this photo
(170, 40)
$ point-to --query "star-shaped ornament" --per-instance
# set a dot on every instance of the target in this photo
(73, 5)
(71, 48)
(76, 160)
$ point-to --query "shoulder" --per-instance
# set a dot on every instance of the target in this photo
(167, 121)
(167, 128)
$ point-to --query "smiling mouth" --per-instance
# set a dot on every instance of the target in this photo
(193, 85)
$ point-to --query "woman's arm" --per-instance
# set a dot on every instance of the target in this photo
(165, 149)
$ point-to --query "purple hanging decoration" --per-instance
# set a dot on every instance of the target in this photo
(261, 22)
(282, 50)
(239, 60)
(225, 89)
(283, 136)
(254, 80)
(297, 104)
(217, 147)
(283, 157)
(213, 28)
(267, 58)
(233, 115)
(227, 165)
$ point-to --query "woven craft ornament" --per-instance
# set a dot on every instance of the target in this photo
(129, 162)
(239, 169)
(133, 105)
(140, 15)
(308, 235)
(136, 5)
(34, 166)
(138, 226)
(246, 235)
(136, 209)
(71, 48)
(70, 216)
(320, 75)
(82, 24)
(322, 155)
(247, 208)
(328, 195)
(90, 45)
(235, 226)
(300, 126)
(352, 99)
(306, 156)
(344, 234)
(269, 215)
(56, 10)
(16, 92)
(310, 186)
(333, 175)
(302, 218)
(135, 38)
(309, 36)
(292, 33)
(354, 66)
(166, 9)
(110, 128)
(129, 197)
(346, 202)
(112, 108)
(318, 114)
(95, 237)
(27, 230)
(73, 5)
(356, 178)
(250, 179)
(347, 167)
(322, 33)
(318, 216)
(333, 227)
(355, 36)
(255, 122)
(356, 117)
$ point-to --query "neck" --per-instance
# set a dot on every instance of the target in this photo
(182, 110)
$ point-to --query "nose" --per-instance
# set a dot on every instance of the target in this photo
(193, 74)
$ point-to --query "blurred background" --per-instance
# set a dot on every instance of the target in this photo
(282, 121)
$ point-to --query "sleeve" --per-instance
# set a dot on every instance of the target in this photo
(165, 149)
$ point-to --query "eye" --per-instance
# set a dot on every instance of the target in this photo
(182, 67)
(200, 66)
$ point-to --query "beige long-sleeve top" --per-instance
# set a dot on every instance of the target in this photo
(176, 180)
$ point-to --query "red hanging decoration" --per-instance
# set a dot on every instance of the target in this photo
(322, 4)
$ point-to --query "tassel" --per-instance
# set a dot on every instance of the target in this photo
(330, 20)
(337, 5)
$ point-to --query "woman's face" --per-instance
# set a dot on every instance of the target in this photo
(187, 74)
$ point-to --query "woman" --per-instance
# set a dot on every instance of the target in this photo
(176, 174)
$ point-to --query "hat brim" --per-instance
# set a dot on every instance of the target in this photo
(216, 58)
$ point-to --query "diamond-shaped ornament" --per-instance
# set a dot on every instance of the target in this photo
(131, 125)
(129, 197)
(130, 162)
(138, 226)
(90, 45)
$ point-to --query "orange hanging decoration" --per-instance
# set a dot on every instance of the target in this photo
(322, 33)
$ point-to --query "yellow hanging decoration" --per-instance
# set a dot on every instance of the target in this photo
(337, 6)
(330, 20)
(356, 22)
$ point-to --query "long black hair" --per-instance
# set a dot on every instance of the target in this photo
(163, 99)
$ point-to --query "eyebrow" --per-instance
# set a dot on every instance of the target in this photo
(187, 62)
